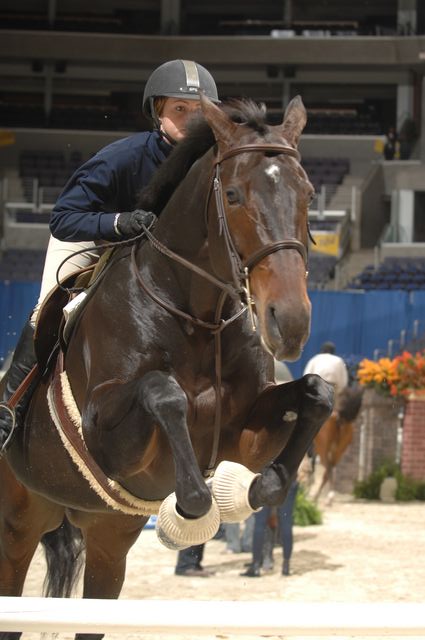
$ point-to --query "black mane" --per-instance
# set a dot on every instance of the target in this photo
(198, 140)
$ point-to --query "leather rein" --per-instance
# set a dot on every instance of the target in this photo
(239, 289)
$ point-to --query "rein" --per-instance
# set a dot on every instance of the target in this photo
(240, 274)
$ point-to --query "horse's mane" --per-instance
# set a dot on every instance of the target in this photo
(199, 139)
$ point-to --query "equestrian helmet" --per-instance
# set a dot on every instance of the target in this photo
(178, 79)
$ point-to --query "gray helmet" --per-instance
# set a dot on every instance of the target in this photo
(178, 79)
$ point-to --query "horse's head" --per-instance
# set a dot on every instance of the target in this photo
(262, 221)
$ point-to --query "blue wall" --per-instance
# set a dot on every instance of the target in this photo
(357, 322)
(360, 322)
(17, 299)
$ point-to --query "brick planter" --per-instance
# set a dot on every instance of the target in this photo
(374, 440)
(413, 451)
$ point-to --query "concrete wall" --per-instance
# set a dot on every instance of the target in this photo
(375, 211)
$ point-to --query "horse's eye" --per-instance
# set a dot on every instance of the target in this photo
(233, 195)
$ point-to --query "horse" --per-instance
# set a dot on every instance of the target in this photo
(336, 435)
(167, 375)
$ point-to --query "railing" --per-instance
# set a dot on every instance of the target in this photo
(413, 340)
(333, 197)
(26, 194)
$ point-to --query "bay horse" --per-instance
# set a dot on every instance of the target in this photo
(168, 373)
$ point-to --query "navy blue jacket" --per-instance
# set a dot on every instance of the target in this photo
(107, 184)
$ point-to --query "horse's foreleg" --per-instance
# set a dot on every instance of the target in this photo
(122, 423)
(327, 474)
(302, 407)
(166, 402)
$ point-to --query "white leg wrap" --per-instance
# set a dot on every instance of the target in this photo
(176, 532)
(230, 487)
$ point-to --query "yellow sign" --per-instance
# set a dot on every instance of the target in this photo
(6, 138)
(378, 145)
(327, 242)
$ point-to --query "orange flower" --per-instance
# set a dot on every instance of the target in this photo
(395, 377)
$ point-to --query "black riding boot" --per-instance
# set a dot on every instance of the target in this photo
(23, 361)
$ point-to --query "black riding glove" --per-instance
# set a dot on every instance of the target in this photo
(130, 223)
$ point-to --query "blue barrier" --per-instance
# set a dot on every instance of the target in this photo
(357, 322)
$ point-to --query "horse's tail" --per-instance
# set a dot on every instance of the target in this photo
(63, 549)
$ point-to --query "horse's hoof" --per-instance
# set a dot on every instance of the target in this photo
(230, 487)
(176, 532)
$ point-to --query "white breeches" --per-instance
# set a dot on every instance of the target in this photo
(57, 251)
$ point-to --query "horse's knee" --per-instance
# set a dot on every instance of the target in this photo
(161, 394)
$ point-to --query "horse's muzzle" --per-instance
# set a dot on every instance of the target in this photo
(284, 331)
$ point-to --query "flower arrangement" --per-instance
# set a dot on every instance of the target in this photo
(396, 377)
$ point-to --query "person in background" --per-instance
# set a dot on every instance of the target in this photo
(239, 537)
(265, 517)
(189, 563)
(98, 203)
(329, 366)
(390, 145)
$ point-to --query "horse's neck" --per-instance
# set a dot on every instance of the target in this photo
(182, 229)
(181, 225)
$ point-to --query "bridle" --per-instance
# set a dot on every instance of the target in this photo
(241, 269)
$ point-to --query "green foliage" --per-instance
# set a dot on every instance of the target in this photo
(420, 491)
(305, 511)
(407, 489)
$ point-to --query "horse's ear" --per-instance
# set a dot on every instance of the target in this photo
(223, 127)
(294, 120)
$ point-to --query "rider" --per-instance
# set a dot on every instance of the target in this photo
(99, 200)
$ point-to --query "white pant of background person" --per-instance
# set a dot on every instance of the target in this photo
(57, 251)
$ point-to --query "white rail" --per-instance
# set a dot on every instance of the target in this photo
(186, 617)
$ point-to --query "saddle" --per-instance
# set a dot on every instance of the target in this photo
(53, 330)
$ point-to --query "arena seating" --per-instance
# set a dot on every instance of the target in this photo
(407, 274)
(321, 269)
(51, 168)
(329, 171)
(109, 114)
(103, 117)
(345, 122)
(25, 265)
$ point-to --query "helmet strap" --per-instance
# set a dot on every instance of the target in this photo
(167, 137)
(157, 123)
(154, 115)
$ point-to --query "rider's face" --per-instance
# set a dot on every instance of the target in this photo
(175, 114)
